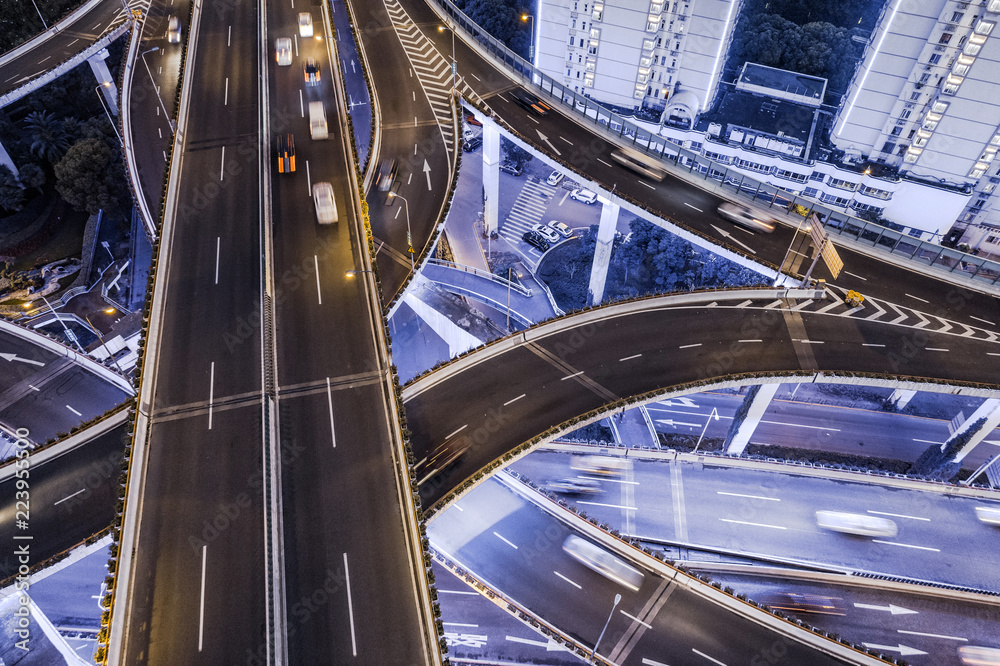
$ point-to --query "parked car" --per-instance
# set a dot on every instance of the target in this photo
(530, 101)
(326, 206)
(745, 217)
(560, 228)
(548, 234)
(468, 134)
(585, 196)
(535, 240)
(555, 178)
(283, 51)
(286, 153)
(511, 168)
(310, 72)
(471, 119)
(472, 145)
(173, 30)
(305, 24)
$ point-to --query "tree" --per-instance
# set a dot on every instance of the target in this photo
(11, 193)
(49, 139)
(515, 153)
(84, 176)
(32, 175)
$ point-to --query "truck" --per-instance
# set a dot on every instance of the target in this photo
(317, 121)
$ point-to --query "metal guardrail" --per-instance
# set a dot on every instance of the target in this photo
(884, 240)
(516, 286)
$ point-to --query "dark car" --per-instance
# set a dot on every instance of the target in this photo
(534, 239)
(310, 71)
(472, 144)
(530, 101)
(511, 168)
(286, 153)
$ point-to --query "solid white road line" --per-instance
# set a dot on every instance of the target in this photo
(576, 585)
(73, 410)
(218, 249)
(566, 140)
(799, 425)
(308, 180)
(229, 37)
(514, 399)
(937, 349)
(70, 496)
(642, 182)
(457, 431)
(575, 374)
(629, 358)
(319, 292)
(702, 654)
(695, 208)
(855, 275)
(476, 594)
(610, 506)
(916, 298)
(650, 662)
(697, 344)
(222, 164)
(225, 100)
(920, 633)
(992, 354)
(769, 499)
(34, 388)
(926, 441)
(634, 618)
(898, 515)
(743, 522)
(868, 344)
(506, 541)
(295, 42)
(906, 545)
(459, 624)
(211, 394)
(811, 342)
(329, 400)
(201, 612)
(749, 341)
(302, 106)
(604, 163)
(985, 321)
(350, 607)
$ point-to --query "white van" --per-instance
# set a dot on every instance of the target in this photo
(317, 121)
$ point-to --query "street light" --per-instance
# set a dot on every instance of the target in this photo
(101, 338)
(100, 96)
(352, 273)
(40, 15)
(531, 34)
(715, 414)
(69, 333)
(409, 238)
(618, 598)
(156, 89)
(454, 63)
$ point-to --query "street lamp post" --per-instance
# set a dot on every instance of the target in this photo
(714, 414)
(409, 237)
(69, 333)
(531, 34)
(101, 338)
(155, 88)
(100, 96)
(618, 598)
(454, 62)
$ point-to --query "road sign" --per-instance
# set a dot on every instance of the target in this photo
(833, 261)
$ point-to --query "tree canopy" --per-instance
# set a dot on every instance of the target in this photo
(88, 178)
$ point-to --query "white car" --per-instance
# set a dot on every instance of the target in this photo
(174, 30)
(545, 232)
(856, 523)
(555, 178)
(305, 24)
(283, 51)
(326, 206)
(560, 228)
(585, 196)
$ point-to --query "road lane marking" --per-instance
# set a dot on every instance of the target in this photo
(514, 399)
(350, 607)
(642, 182)
(225, 101)
(476, 594)
(319, 290)
(329, 400)
(743, 522)
(576, 585)
(855, 275)
(308, 180)
(460, 624)
(457, 431)
(506, 541)
(898, 515)
(985, 321)
(575, 374)
(749, 341)
(566, 140)
(799, 425)
(650, 662)
(222, 165)
(605, 163)
(916, 298)
(696, 344)
(629, 358)
(302, 107)
(810, 342)
(476, 77)
(992, 354)
(598, 478)
(906, 545)
(218, 249)
(211, 394)
(635, 619)
(201, 612)
(693, 207)
(229, 38)
(610, 506)
(82, 490)
(295, 41)
(702, 654)
(73, 410)
(937, 349)
(44, 59)
(920, 633)
(926, 441)
(869, 344)
(769, 499)
(34, 388)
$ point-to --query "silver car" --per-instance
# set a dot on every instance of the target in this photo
(283, 51)
(745, 217)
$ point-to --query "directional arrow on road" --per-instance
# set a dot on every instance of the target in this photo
(15, 357)
(353, 69)
(901, 649)
(427, 170)
(550, 645)
(672, 423)
(682, 401)
(545, 139)
(726, 234)
(895, 610)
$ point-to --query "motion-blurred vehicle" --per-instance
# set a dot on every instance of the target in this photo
(805, 603)
(574, 486)
(856, 523)
(534, 239)
(441, 458)
(386, 174)
(601, 465)
(310, 72)
(545, 232)
(596, 558)
(317, 121)
(555, 178)
(286, 153)
(283, 51)
(326, 205)
(639, 162)
(305, 24)
(173, 30)
(988, 514)
(530, 101)
(974, 655)
(743, 216)
(560, 228)
(583, 196)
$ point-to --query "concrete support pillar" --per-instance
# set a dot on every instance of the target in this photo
(738, 441)
(602, 253)
(5, 159)
(103, 76)
(990, 411)
(900, 398)
(491, 176)
(457, 339)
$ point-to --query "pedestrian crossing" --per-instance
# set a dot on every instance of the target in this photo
(527, 211)
(432, 69)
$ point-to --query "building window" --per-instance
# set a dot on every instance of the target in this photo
(816, 175)
(934, 59)
(598, 12)
(945, 38)
(888, 147)
(897, 130)
(572, 39)
(951, 84)
(914, 96)
(904, 114)
(874, 192)
(984, 27)
(972, 49)
(842, 184)
(993, 6)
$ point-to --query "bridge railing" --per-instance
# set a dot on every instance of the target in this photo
(516, 286)
(883, 240)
